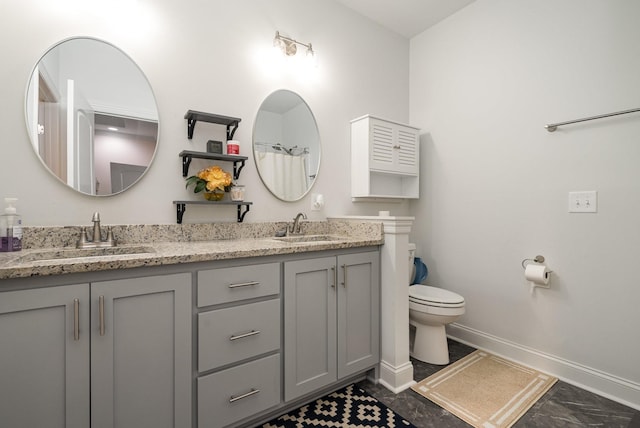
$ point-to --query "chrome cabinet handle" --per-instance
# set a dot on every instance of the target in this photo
(344, 276)
(253, 391)
(244, 284)
(335, 277)
(101, 312)
(76, 319)
(242, 336)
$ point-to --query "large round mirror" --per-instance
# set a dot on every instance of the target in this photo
(91, 116)
(286, 145)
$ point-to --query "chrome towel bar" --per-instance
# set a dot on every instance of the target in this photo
(553, 126)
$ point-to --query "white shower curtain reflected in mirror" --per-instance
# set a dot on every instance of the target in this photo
(285, 175)
(286, 145)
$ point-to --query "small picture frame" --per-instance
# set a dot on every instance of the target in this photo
(214, 146)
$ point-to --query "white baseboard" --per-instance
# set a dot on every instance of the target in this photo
(396, 379)
(615, 388)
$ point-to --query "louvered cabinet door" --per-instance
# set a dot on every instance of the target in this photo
(393, 148)
(406, 150)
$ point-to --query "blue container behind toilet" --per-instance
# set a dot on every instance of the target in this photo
(420, 270)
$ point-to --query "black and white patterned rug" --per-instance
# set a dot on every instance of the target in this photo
(349, 407)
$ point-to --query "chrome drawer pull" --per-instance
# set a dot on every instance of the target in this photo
(244, 284)
(344, 276)
(335, 277)
(253, 391)
(101, 314)
(76, 319)
(242, 336)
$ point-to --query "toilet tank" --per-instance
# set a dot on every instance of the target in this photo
(412, 268)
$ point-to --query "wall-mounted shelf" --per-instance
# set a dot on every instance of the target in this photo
(181, 207)
(194, 116)
(188, 155)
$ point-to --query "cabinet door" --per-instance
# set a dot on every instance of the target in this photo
(394, 148)
(358, 312)
(381, 140)
(309, 325)
(44, 357)
(141, 352)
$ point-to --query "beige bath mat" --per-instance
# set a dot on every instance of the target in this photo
(484, 390)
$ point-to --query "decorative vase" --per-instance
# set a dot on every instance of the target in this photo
(214, 196)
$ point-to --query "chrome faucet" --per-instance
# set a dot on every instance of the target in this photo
(96, 241)
(295, 227)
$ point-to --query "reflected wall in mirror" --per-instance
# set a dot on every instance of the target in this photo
(286, 145)
(91, 116)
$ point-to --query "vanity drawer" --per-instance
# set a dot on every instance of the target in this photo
(225, 285)
(234, 334)
(230, 395)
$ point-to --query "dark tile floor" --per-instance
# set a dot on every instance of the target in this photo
(563, 405)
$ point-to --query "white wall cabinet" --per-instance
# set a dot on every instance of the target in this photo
(129, 365)
(385, 159)
(331, 316)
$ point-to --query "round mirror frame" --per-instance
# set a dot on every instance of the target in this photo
(312, 171)
(149, 125)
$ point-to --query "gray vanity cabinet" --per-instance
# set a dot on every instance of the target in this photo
(331, 320)
(239, 324)
(44, 357)
(105, 354)
(141, 352)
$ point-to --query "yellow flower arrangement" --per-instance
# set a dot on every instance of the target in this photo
(210, 179)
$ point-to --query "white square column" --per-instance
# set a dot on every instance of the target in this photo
(396, 369)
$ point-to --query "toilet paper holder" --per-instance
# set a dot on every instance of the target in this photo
(536, 259)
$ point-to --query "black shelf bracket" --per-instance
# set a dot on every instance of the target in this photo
(191, 125)
(242, 214)
(186, 161)
(181, 208)
(231, 130)
(236, 170)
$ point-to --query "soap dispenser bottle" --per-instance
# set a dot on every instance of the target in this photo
(10, 228)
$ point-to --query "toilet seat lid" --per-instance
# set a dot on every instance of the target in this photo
(429, 294)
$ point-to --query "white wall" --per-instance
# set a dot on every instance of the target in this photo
(483, 84)
(206, 56)
(495, 183)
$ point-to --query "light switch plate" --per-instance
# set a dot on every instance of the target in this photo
(583, 202)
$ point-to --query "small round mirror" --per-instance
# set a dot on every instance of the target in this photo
(286, 145)
(91, 116)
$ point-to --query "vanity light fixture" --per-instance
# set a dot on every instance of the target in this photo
(289, 46)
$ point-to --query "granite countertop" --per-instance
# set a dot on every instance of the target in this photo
(51, 250)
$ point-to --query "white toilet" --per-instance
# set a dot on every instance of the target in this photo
(430, 309)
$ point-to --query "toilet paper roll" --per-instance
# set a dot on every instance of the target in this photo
(538, 274)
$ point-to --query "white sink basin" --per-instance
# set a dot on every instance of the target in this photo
(308, 238)
(53, 254)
